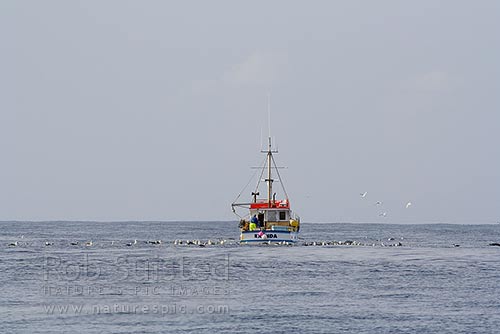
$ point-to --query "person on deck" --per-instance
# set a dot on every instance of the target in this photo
(253, 223)
(254, 219)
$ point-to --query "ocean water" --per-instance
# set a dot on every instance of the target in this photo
(444, 278)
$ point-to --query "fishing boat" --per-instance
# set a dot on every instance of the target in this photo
(267, 220)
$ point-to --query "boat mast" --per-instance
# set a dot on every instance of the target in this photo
(269, 180)
(269, 154)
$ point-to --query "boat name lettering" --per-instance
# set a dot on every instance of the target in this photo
(270, 236)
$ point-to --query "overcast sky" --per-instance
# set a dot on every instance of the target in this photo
(153, 110)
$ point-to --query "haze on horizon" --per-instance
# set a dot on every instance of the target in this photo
(155, 110)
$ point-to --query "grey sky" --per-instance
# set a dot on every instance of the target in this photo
(138, 110)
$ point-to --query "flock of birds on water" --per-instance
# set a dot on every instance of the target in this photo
(390, 242)
(205, 243)
(382, 214)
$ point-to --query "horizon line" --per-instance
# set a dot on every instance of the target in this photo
(232, 221)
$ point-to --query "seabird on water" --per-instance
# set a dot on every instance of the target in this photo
(132, 243)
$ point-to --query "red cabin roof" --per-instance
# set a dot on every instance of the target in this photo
(264, 204)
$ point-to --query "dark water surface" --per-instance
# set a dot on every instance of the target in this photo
(427, 285)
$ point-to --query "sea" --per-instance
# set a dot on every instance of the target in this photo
(194, 277)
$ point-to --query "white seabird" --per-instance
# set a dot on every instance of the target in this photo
(363, 195)
(132, 243)
(408, 205)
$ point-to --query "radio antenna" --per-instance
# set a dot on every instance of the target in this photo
(269, 112)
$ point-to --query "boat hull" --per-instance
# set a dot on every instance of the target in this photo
(270, 236)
